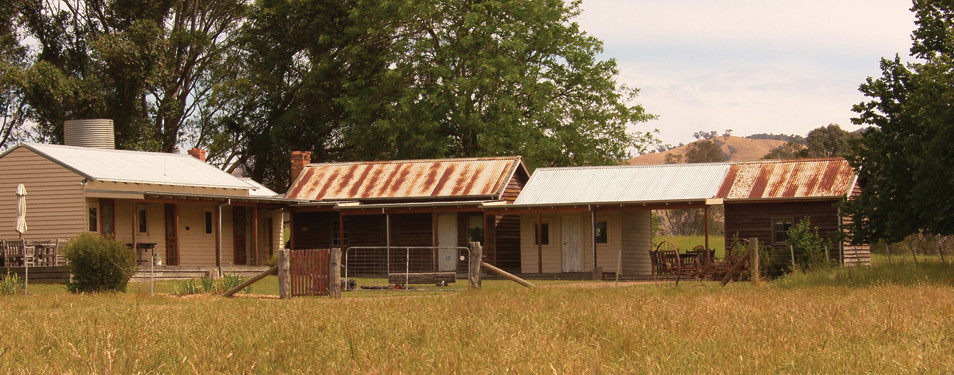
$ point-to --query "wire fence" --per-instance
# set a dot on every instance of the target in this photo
(415, 264)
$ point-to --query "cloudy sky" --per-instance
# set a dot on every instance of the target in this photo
(753, 66)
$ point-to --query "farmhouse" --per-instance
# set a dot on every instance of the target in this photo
(764, 198)
(593, 219)
(407, 203)
(187, 211)
(581, 219)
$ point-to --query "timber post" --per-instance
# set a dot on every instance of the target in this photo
(284, 274)
(473, 270)
(334, 273)
(754, 271)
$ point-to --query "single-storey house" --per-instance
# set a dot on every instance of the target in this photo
(187, 211)
(765, 198)
(407, 203)
(580, 219)
(585, 219)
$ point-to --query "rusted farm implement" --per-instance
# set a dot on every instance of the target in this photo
(700, 263)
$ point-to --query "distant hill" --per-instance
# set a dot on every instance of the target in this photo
(738, 149)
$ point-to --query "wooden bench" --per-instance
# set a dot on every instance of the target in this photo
(437, 278)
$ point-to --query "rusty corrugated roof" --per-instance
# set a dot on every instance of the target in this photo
(406, 179)
(781, 179)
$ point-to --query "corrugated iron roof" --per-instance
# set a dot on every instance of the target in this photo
(781, 179)
(405, 179)
(618, 184)
(138, 166)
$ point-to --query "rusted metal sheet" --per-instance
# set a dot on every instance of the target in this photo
(419, 179)
(780, 179)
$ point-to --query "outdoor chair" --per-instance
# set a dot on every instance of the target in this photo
(13, 253)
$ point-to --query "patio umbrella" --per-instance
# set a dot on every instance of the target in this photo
(21, 227)
(21, 210)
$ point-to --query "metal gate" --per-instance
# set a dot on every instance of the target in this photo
(309, 271)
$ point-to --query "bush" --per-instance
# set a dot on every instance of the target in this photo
(99, 264)
(230, 281)
(11, 283)
(209, 285)
(809, 246)
(185, 287)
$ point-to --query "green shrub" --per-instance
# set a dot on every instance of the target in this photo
(209, 285)
(271, 261)
(808, 245)
(185, 287)
(230, 281)
(99, 264)
(11, 283)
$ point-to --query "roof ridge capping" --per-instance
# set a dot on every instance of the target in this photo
(33, 146)
(417, 161)
(628, 166)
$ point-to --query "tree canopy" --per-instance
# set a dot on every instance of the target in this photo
(345, 80)
(822, 142)
(904, 158)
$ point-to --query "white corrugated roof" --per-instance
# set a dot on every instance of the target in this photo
(259, 190)
(138, 166)
(629, 184)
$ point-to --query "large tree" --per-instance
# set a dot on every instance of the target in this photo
(147, 65)
(422, 79)
(13, 60)
(904, 158)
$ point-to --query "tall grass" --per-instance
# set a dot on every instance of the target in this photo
(744, 328)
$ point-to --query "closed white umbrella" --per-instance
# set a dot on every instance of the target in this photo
(21, 210)
(21, 228)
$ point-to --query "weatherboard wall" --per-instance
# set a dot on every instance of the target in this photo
(55, 205)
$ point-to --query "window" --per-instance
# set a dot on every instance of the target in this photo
(93, 219)
(143, 220)
(336, 233)
(545, 230)
(208, 222)
(600, 232)
(475, 229)
(780, 228)
(107, 208)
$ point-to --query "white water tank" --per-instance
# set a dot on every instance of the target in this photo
(94, 133)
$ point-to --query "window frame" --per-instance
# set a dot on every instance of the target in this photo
(208, 227)
(603, 237)
(142, 220)
(93, 218)
(543, 224)
(784, 233)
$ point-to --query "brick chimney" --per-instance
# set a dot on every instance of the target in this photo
(299, 159)
(197, 153)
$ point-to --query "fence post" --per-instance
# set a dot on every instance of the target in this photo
(334, 273)
(476, 252)
(754, 271)
(284, 274)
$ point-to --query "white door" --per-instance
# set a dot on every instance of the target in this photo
(572, 245)
(447, 242)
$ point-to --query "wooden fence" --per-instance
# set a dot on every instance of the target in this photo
(309, 272)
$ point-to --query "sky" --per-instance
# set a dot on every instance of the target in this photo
(750, 66)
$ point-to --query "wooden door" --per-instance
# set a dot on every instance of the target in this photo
(172, 234)
(447, 241)
(238, 236)
(572, 245)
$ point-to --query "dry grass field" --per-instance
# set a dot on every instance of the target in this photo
(888, 319)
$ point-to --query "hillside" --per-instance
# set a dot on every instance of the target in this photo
(738, 149)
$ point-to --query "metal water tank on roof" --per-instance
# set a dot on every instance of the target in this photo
(94, 133)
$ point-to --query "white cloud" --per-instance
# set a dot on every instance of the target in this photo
(751, 66)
